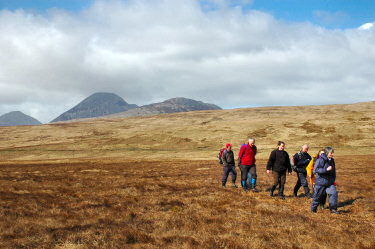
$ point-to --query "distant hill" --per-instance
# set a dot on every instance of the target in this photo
(17, 118)
(169, 106)
(349, 129)
(96, 105)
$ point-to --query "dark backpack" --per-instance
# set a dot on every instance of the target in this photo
(221, 153)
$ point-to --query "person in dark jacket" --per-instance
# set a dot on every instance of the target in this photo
(301, 160)
(229, 166)
(325, 170)
(279, 163)
(247, 156)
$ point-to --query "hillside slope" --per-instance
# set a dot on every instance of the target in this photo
(350, 129)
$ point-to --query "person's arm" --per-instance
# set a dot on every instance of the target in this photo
(271, 161)
(225, 162)
(242, 150)
(301, 163)
(321, 167)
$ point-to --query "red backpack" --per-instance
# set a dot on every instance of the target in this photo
(220, 156)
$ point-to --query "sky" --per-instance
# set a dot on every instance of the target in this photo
(239, 53)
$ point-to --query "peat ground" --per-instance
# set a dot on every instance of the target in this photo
(108, 203)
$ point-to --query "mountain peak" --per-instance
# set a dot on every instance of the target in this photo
(96, 105)
(17, 118)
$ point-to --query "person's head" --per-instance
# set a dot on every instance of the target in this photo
(251, 141)
(305, 148)
(229, 146)
(320, 152)
(281, 145)
(329, 151)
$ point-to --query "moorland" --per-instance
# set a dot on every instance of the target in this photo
(154, 182)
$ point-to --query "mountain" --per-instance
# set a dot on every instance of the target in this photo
(17, 118)
(169, 106)
(96, 105)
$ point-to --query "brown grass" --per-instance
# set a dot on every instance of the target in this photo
(350, 129)
(174, 204)
(150, 182)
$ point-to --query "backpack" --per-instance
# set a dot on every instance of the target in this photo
(240, 156)
(292, 162)
(221, 153)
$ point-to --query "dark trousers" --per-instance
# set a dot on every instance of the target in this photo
(302, 182)
(279, 178)
(246, 169)
(226, 171)
(320, 194)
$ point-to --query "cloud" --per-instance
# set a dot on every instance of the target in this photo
(366, 26)
(149, 51)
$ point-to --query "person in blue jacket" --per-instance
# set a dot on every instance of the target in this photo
(325, 170)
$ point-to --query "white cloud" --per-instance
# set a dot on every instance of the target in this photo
(148, 51)
(366, 26)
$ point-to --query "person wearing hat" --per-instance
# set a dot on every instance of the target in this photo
(229, 166)
(247, 156)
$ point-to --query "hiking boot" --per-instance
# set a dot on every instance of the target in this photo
(234, 185)
(307, 192)
(223, 185)
(295, 195)
(313, 211)
(243, 183)
(254, 190)
(334, 211)
(321, 205)
(281, 192)
(272, 189)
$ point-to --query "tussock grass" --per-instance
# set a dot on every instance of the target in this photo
(174, 204)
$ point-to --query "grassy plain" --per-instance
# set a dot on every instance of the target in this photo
(153, 182)
(175, 204)
(196, 135)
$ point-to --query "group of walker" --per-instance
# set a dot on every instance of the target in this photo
(320, 169)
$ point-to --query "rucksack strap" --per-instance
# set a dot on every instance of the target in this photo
(244, 152)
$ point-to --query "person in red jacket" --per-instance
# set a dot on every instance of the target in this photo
(247, 156)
